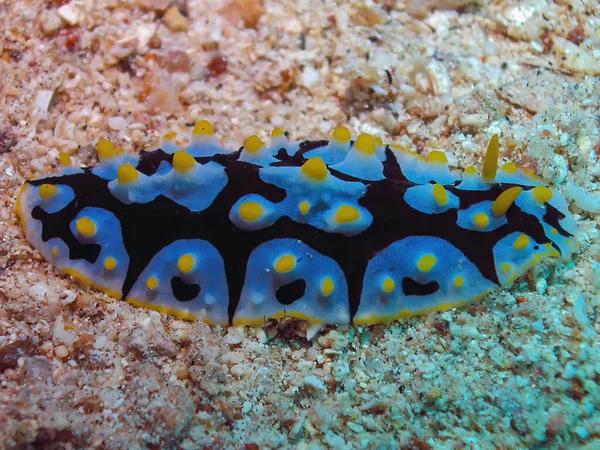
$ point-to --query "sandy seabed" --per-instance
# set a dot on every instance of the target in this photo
(519, 370)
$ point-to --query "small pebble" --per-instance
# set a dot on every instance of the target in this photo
(174, 20)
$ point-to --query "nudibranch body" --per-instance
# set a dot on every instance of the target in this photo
(334, 232)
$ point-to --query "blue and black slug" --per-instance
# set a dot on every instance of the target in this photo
(334, 232)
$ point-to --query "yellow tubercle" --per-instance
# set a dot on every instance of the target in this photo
(186, 263)
(459, 281)
(86, 226)
(510, 167)
(127, 173)
(341, 134)
(285, 264)
(110, 263)
(388, 285)
(541, 194)
(119, 151)
(170, 136)
(47, 191)
(327, 287)
(253, 144)
(304, 207)
(481, 220)
(105, 149)
(490, 161)
(365, 144)
(521, 242)
(183, 161)
(471, 170)
(506, 267)
(65, 160)
(315, 169)
(203, 128)
(379, 141)
(426, 263)
(250, 211)
(440, 194)
(277, 132)
(152, 283)
(54, 251)
(346, 214)
(438, 157)
(505, 200)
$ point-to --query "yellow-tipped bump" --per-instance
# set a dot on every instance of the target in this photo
(341, 134)
(315, 169)
(250, 211)
(426, 263)
(459, 281)
(110, 263)
(490, 162)
(304, 207)
(388, 285)
(277, 132)
(510, 167)
(183, 161)
(506, 267)
(285, 264)
(65, 160)
(127, 173)
(438, 157)
(119, 151)
(471, 170)
(327, 287)
(505, 200)
(253, 144)
(203, 128)
(105, 149)
(521, 242)
(365, 144)
(152, 283)
(481, 220)
(86, 226)
(54, 251)
(346, 214)
(170, 136)
(440, 194)
(186, 263)
(47, 190)
(542, 194)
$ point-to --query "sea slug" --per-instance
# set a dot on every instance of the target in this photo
(332, 232)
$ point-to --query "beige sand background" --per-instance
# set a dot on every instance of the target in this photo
(518, 370)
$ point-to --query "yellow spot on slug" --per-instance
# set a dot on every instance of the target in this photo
(437, 156)
(426, 263)
(554, 231)
(110, 263)
(47, 190)
(365, 144)
(388, 285)
(510, 167)
(521, 242)
(65, 160)
(459, 281)
(304, 207)
(250, 211)
(440, 195)
(505, 200)
(54, 251)
(152, 283)
(327, 287)
(471, 170)
(315, 169)
(183, 161)
(277, 132)
(542, 194)
(86, 226)
(119, 151)
(186, 263)
(490, 161)
(506, 267)
(346, 214)
(127, 173)
(171, 135)
(285, 264)
(105, 149)
(482, 220)
(253, 144)
(203, 128)
(341, 134)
